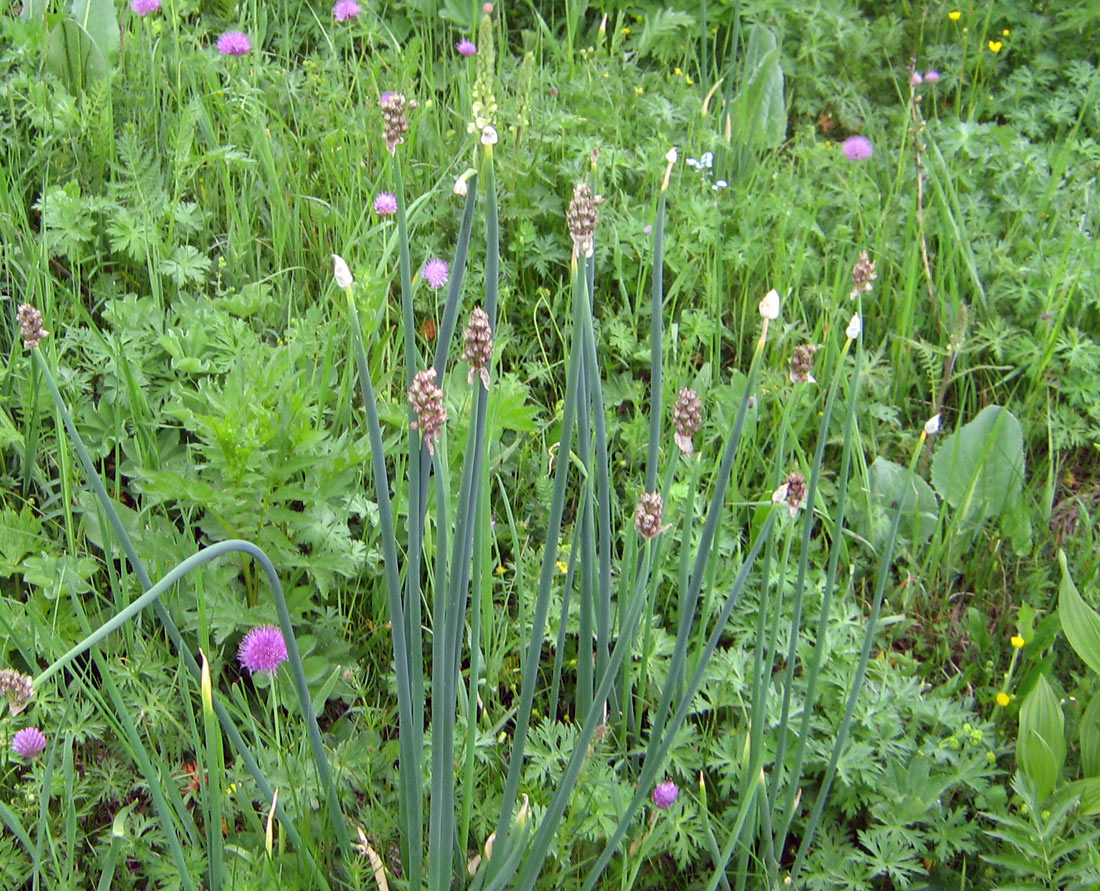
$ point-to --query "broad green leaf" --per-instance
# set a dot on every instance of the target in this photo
(97, 19)
(894, 487)
(759, 111)
(979, 469)
(1041, 746)
(1088, 732)
(1080, 623)
(1089, 790)
(74, 57)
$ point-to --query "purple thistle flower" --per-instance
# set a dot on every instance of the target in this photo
(345, 9)
(664, 794)
(857, 148)
(386, 97)
(234, 43)
(262, 649)
(28, 743)
(466, 48)
(435, 272)
(930, 77)
(385, 204)
(144, 7)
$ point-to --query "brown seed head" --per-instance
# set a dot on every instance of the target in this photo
(687, 415)
(477, 346)
(647, 516)
(427, 402)
(582, 217)
(30, 325)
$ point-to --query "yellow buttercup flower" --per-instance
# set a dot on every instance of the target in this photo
(995, 46)
(562, 567)
(1005, 32)
(1017, 642)
(639, 90)
(1003, 699)
(954, 15)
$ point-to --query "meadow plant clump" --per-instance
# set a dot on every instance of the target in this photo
(649, 582)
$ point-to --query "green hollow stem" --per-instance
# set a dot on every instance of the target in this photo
(800, 585)
(542, 602)
(410, 755)
(821, 638)
(656, 754)
(230, 729)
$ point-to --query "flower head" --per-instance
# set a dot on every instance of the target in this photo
(477, 348)
(854, 327)
(863, 274)
(954, 15)
(466, 48)
(931, 77)
(30, 325)
(1003, 698)
(915, 79)
(234, 43)
(995, 46)
(857, 148)
(28, 743)
(932, 425)
(17, 688)
(144, 7)
(345, 9)
(647, 515)
(394, 123)
(426, 400)
(1017, 642)
(687, 416)
(385, 204)
(435, 272)
(263, 649)
(792, 492)
(664, 794)
(582, 217)
(802, 364)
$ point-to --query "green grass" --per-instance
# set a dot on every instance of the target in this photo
(487, 644)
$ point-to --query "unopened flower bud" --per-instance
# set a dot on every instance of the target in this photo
(394, 123)
(932, 425)
(854, 327)
(769, 306)
(341, 273)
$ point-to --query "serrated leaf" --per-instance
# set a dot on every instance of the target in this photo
(1080, 623)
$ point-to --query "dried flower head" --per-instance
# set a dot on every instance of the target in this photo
(863, 274)
(30, 325)
(802, 364)
(17, 688)
(792, 492)
(582, 217)
(28, 743)
(426, 400)
(394, 124)
(664, 794)
(234, 43)
(687, 416)
(647, 516)
(263, 649)
(477, 346)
